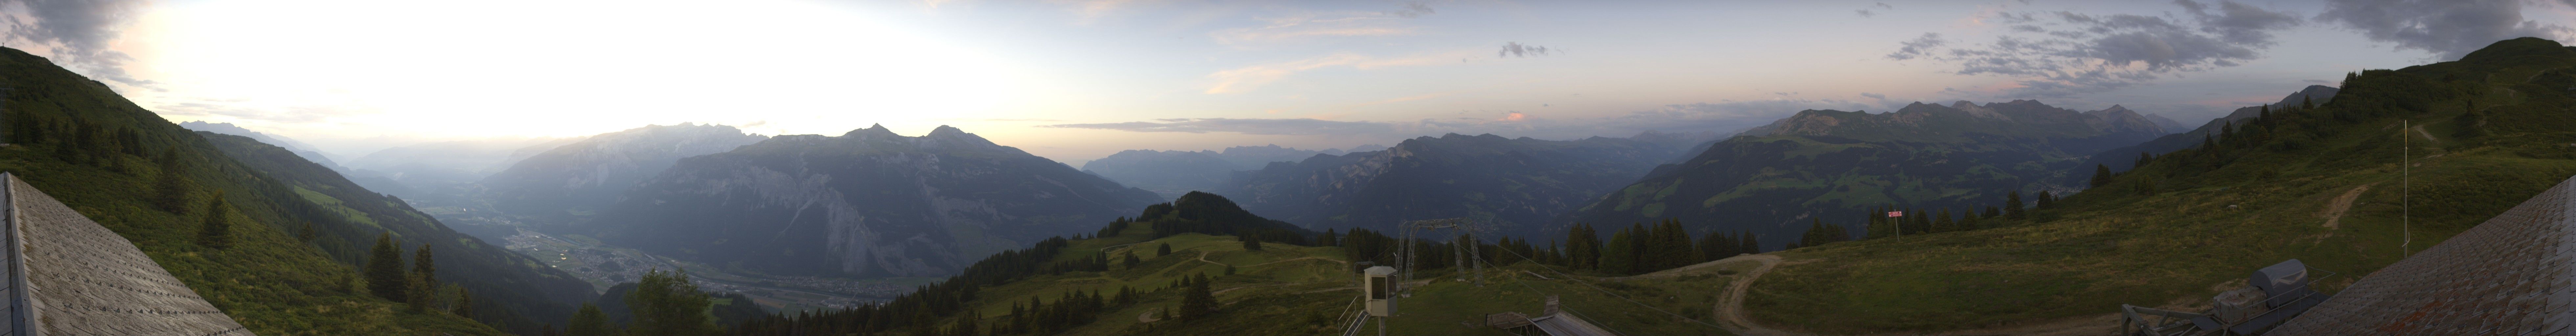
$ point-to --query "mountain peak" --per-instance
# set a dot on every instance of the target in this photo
(945, 130)
(873, 130)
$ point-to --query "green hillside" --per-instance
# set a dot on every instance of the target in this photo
(1087, 287)
(81, 143)
(2322, 185)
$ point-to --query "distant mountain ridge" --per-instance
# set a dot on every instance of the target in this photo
(865, 203)
(587, 175)
(1173, 173)
(1832, 165)
(1516, 184)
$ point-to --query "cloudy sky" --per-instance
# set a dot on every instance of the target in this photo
(1077, 80)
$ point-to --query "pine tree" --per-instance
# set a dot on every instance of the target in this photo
(1992, 212)
(385, 269)
(2143, 159)
(1328, 239)
(2307, 102)
(1943, 223)
(423, 264)
(1717, 246)
(588, 321)
(172, 188)
(1163, 250)
(1129, 260)
(217, 232)
(464, 304)
(306, 233)
(1196, 302)
(1674, 245)
(1583, 246)
(2101, 175)
(2047, 201)
(1250, 242)
(1751, 244)
(423, 293)
(1620, 256)
(1969, 222)
(1229, 270)
(2012, 205)
(666, 303)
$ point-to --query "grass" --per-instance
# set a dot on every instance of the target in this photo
(2204, 232)
(1304, 290)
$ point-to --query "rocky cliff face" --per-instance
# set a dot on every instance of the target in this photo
(560, 184)
(866, 203)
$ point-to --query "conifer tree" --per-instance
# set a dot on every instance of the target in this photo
(306, 233)
(385, 276)
(424, 264)
(1251, 242)
(1717, 246)
(1620, 256)
(1992, 212)
(1583, 246)
(2101, 175)
(217, 231)
(1328, 239)
(172, 188)
(1751, 244)
(2143, 159)
(1674, 245)
(2012, 205)
(464, 304)
(1129, 260)
(1943, 223)
(1969, 222)
(1196, 302)
(588, 321)
(666, 303)
(1163, 250)
(2047, 201)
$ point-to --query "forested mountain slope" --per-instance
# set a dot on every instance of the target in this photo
(155, 183)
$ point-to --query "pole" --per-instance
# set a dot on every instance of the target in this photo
(2406, 192)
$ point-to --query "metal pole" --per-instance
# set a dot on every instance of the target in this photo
(2406, 193)
(1381, 327)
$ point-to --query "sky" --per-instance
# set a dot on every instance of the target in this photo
(1079, 80)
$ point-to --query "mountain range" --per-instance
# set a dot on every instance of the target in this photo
(868, 203)
(1172, 173)
(1515, 185)
(1833, 165)
(568, 182)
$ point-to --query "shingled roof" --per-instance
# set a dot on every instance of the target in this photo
(2508, 276)
(68, 276)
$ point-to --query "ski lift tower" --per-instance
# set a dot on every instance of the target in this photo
(1466, 245)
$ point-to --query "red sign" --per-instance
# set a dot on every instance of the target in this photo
(1896, 214)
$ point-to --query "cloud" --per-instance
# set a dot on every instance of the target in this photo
(1244, 79)
(1418, 9)
(1300, 126)
(2448, 28)
(1867, 12)
(79, 32)
(1874, 96)
(2058, 54)
(1920, 46)
(1516, 49)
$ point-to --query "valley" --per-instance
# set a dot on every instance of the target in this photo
(606, 266)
